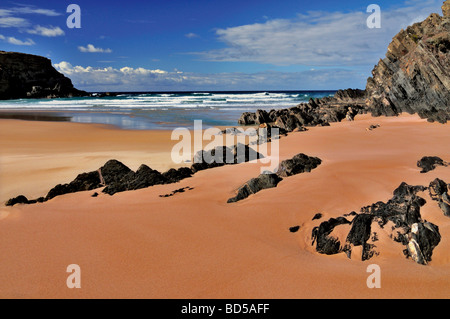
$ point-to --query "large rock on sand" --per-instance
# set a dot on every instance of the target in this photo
(255, 185)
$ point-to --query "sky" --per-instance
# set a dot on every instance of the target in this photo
(175, 45)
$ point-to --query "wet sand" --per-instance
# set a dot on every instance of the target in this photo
(195, 245)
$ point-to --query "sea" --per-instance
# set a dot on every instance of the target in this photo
(156, 110)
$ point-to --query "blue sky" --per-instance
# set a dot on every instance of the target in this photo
(209, 45)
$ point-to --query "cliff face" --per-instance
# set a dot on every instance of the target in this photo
(30, 76)
(414, 76)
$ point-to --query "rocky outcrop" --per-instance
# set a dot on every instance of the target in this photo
(30, 76)
(429, 163)
(412, 78)
(224, 155)
(446, 9)
(439, 192)
(255, 185)
(322, 238)
(316, 112)
(414, 75)
(399, 217)
(300, 163)
(116, 177)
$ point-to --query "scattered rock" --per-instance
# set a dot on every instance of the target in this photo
(429, 163)
(317, 216)
(300, 163)
(255, 185)
(180, 190)
(373, 127)
(418, 236)
(294, 229)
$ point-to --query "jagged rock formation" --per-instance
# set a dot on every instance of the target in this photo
(400, 217)
(30, 76)
(414, 76)
(316, 112)
(224, 155)
(439, 192)
(116, 177)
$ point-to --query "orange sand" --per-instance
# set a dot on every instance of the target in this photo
(194, 244)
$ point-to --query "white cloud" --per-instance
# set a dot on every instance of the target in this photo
(46, 31)
(90, 48)
(141, 79)
(34, 10)
(317, 38)
(15, 41)
(13, 22)
(9, 18)
(191, 35)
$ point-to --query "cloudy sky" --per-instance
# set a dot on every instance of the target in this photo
(207, 44)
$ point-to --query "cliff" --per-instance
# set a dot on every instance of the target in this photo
(414, 75)
(30, 76)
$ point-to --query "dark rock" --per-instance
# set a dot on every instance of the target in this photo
(223, 155)
(413, 77)
(345, 103)
(144, 177)
(247, 118)
(439, 192)
(176, 175)
(94, 195)
(30, 76)
(373, 127)
(294, 229)
(403, 210)
(429, 163)
(255, 185)
(113, 171)
(17, 200)
(317, 216)
(360, 232)
(326, 244)
(424, 237)
(83, 182)
(300, 163)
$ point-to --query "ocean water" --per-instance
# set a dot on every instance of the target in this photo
(163, 110)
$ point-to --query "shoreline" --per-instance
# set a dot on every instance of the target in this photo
(195, 245)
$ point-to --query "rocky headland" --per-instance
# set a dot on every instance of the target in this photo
(31, 76)
(412, 78)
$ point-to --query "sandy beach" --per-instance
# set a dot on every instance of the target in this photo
(136, 244)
